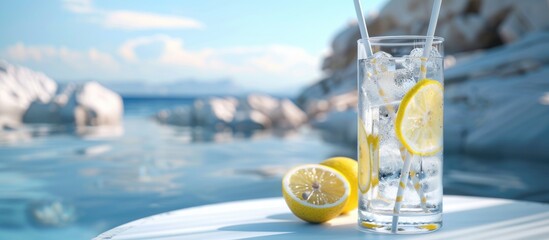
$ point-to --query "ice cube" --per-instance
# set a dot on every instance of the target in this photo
(382, 62)
(418, 52)
(404, 81)
(430, 185)
(386, 125)
(386, 85)
(401, 75)
(389, 146)
(396, 84)
(377, 88)
(371, 92)
(413, 61)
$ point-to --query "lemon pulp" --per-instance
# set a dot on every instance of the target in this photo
(419, 118)
(315, 193)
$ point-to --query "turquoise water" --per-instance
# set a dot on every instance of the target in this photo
(59, 184)
(63, 183)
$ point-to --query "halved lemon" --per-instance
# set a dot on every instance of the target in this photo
(315, 193)
(349, 168)
(419, 118)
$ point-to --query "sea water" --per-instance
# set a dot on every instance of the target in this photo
(60, 183)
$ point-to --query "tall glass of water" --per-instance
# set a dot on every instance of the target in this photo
(400, 138)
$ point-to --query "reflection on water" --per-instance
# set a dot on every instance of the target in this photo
(28, 132)
(51, 213)
(522, 179)
(59, 182)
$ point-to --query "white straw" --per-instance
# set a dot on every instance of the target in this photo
(432, 26)
(423, 72)
(404, 174)
(430, 36)
(416, 184)
(363, 28)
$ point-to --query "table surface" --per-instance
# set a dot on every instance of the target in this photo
(270, 218)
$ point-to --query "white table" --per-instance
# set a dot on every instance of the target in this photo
(269, 218)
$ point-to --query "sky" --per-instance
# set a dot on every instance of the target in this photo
(262, 45)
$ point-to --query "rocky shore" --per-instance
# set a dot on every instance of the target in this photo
(496, 78)
(244, 114)
(27, 96)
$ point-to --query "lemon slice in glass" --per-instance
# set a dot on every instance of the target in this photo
(364, 157)
(419, 118)
(315, 193)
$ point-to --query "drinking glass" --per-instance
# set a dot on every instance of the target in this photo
(400, 135)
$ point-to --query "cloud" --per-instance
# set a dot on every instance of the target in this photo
(173, 51)
(130, 20)
(265, 67)
(92, 57)
(256, 60)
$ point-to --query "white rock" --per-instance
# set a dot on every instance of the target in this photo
(89, 104)
(511, 29)
(262, 103)
(496, 108)
(319, 96)
(343, 49)
(507, 118)
(451, 8)
(31, 97)
(526, 16)
(531, 48)
(250, 121)
(463, 23)
(19, 87)
(342, 99)
(58, 110)
(97, 105)
(181, 116)
(401, 14)
(288, 115)
(250, 113)
(466, 32)
(495, 10)
(215, 112)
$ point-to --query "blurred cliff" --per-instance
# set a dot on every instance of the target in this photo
(496, 78)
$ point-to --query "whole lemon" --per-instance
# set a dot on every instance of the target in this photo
(349, 168)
